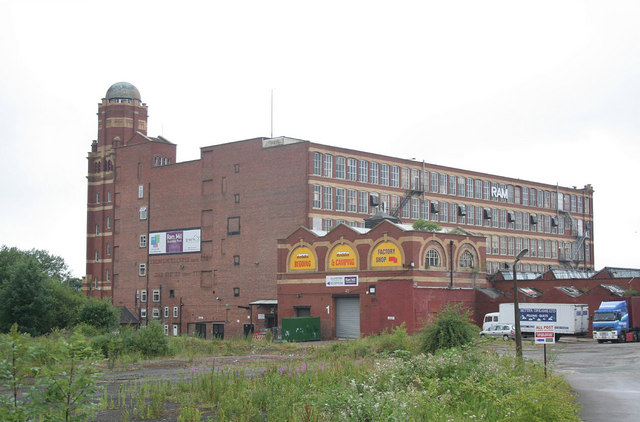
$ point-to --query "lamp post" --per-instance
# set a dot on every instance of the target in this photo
(516, 306)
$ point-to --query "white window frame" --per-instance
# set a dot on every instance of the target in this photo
(340, 167)
(143, 296)
(340, 199)
(166, 312)
(143, 241)
(155, 295)
(142, 269)
(143, 213)
(328, 165)
(143, 312)
(384, 174)
(140, 191)
(155, 313)
(175, 312)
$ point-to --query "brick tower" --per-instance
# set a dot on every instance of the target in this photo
(121, 116)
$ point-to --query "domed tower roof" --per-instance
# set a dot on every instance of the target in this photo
(123, 90)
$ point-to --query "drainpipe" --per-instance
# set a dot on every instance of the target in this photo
(451, 263)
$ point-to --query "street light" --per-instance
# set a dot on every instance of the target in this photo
(516, 307)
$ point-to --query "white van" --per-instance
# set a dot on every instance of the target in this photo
(490, 319)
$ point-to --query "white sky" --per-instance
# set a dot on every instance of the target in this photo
(546, 91)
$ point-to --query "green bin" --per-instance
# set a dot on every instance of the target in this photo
(301, 329)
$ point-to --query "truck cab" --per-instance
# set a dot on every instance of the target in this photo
(611, 321)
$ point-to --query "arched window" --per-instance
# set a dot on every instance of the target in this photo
(466, 260)
(432, 259)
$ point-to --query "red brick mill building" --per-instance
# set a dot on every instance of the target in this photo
(194, 244)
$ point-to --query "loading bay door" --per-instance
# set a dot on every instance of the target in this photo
(347, 317)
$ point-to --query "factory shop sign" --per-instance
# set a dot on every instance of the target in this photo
(386, 254)
(341, 257)
(302, 258)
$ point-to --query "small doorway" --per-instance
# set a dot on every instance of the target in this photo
(175, 330)
(201, 330)
(218, 331)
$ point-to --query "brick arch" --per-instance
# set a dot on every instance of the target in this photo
(434, 244)
(293, 248)
(375, 246)
(462, 248)
(336, 244)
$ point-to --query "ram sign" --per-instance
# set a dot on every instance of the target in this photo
(174, 242)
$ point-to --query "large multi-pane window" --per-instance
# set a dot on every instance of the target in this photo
(384, 174)
(363, 202)
(517, 194)
(525, 221)
(406, 209)
(317, 196)
(503, 219)
(425, 181)
(395, 175)
(503, 245)
(510, 194)
(495, 244)
(525, 196)
(317, 164)
(453, 180)
(547, 248)
(532, 197)
(352, 201)
(415, 180)
(328, 165)
(340, 167)
(443, 183)
(434, 182)
(478, 190)
(385, 202)
(373, 172)
(466, 260)
(352, 169)
(469, 187)
(425, 209)
(432, 258)
(470, 214)
(415, 208)
(554, 249)
(518, 245)
(533, 251)
(328, 198)
(511, 246)
(525, 245)
(435, 210)
(518, 220)
(540, 198)
(486, 190)
(364, 171)
(444, 215)
(340, 199)
(495, 213)
(395, 203)
(453, 213)
(478, 216)
(405, 178)
(580, 205)
(461, 186)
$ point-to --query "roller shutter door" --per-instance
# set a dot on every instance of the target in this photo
(348, 317)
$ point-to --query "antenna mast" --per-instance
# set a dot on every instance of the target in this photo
(272, 112)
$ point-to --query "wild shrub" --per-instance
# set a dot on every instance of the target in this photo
(450, 329)
(150, 341)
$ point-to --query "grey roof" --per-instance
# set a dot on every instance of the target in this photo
(126, 316)
(522, 275)
(623, 272)
(570, 290)
(265, 302)
(492, 292)
(123, 90)
(614, 289)
(566, 274)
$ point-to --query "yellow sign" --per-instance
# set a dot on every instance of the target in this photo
(342, 256)
(386, 254)
(302, 259)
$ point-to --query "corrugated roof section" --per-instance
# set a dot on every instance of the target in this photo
(623, 272)
(522, 275)
(570, 291)
(614, 289)
(566, 274)
(492, 292)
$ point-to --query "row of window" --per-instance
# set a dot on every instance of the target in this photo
(431, 181)
(98, 166)
(351, 200)
(161, 161)
(538, 248)
(432, 259)
(155, 312)
(108, 197)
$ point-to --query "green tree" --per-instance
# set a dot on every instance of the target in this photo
(24, 298)
(99, 314)
(36, 292)
(452, 328)
(426, 226)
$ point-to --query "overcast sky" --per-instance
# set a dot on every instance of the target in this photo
(547, 91)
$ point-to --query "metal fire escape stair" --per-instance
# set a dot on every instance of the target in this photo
(410, 193)
(576, 244)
